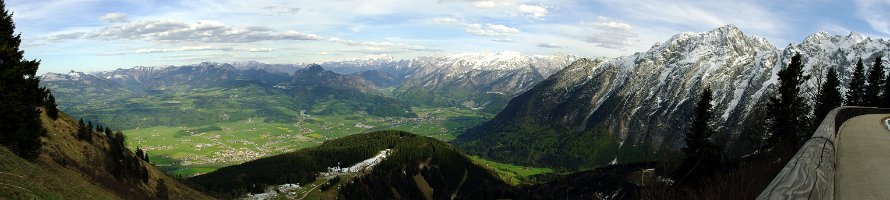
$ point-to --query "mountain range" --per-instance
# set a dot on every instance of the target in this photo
(645, 100)
(479, 81)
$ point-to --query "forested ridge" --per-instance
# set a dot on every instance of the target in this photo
(445, 170)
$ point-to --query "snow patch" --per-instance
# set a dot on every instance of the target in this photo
(290, 191)
(362, 166)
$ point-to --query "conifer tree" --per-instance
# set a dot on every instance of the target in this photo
(856, 92)
(82, 132)
(20, 93)
(108, 132)
(139, 153)
(788, 111)
(702, 155)
(829, 96)
(875, 84)
(885, 96)
(51, 108)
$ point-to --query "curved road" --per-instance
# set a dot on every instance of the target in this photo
(863, 158)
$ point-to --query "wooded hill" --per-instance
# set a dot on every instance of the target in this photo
(418, 168)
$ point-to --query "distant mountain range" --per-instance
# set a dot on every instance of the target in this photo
(480, 81)
(645, 100)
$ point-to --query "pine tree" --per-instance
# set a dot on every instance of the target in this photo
(51, 108)
(118, 140)
(108, 132)
(82, 130)
(788, 111)
(139, 153)
(702, 155)
(829, 96)
(20, 93)
(875, 84)
(856, 93)
(885, 97)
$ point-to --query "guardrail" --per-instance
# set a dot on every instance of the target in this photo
(810, 173)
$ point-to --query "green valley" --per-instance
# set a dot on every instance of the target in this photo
(186, 151)
(195, 119)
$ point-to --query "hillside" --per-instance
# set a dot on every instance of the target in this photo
(72, 168)
(415, 167)
(644, 101)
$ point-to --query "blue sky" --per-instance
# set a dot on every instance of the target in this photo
(92, 35)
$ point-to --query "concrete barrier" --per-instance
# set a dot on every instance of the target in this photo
(810, 173)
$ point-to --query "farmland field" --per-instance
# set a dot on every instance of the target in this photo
(188, 151)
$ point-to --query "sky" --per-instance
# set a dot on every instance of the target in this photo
(98, 35)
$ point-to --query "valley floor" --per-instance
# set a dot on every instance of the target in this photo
(188, 151)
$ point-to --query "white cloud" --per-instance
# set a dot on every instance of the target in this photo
(484, 4)
(67, 36)
(282, 10)
(532, 11)
(493, 30)
(875, 13)
(186, 48)
(512, 8)
(490, 30)
(259, 49)
(380, 47)
(551, 45)
(446, 21)
(610, 33)
(177, 31)
(608, 23)
(191, 49)
(115, 17)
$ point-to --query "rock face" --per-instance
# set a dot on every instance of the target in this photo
(504, 73)
(646, 99)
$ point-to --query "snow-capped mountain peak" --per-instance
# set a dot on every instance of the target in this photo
(647, 98)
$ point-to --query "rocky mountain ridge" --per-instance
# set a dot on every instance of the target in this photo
(646, 99)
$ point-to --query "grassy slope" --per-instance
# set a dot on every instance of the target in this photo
(21, 179)
(71, 168)
(512, 174)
